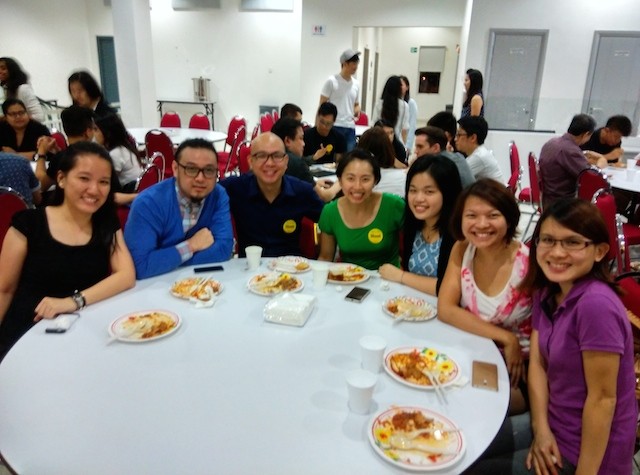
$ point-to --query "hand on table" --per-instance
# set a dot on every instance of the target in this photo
(390, 272)
(202, 239)
(50, 307)
(544, 454)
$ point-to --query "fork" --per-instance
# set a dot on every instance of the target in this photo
(440, 393)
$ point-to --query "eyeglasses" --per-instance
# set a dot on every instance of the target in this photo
(277, 157)
(569, 244)
(17, 114)
(193, 172)
(325, 123)
(461, 134)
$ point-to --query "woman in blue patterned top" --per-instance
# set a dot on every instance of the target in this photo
(432, 187)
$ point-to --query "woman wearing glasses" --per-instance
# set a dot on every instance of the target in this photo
(19, 134)
(479, 292)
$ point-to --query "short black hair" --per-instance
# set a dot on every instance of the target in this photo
(444, 120)
(621, 123)
(327, 108)
(11, 102)
(286, 127)
(290, 110)
(195, 143)
(581, 124)
(434, 135)
(76, 120)
(475, 126)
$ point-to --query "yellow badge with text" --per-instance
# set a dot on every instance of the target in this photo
(375, 236)
(289, 226)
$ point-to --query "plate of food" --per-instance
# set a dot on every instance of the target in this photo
(415, 366)
(347, 274)
(201, 288)
(410, 309)
(330, 167)
(416, 439)
(144, 326)
(273, 283)
(290, 264)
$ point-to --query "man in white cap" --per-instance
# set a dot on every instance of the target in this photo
(343, 90)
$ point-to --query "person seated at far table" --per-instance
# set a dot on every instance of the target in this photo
(19, 134)
(322, 144)
(267, 205)
(363, 224)
(62, 257)
(432, 141)
(607, 141)
(290, 131)
(392, 180)
(85, 92)
(16, 173)
(433, 185)
(479, 292)
(399, 151)
(183, 220)
(446, 121)
(472, 132)
(291, 110)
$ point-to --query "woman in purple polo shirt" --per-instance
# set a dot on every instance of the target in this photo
(581, 378)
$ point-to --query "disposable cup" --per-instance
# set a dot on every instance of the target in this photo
(320, 272)
(360, 385)
(372, 352)
(254, 253)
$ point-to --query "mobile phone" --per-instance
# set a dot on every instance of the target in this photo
(484, 375)
(208, 269)
(62, 323)
(357, 294)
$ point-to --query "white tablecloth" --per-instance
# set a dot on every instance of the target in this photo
(178, 135)
(228, 393)
(619, 179)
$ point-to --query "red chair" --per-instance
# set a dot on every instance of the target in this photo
(60, 139)
(363, 119)
(158, 141)
(532, 195)
(234, 125)
(170, 119)
(158, 160)
(123, 215)
(243, 158)
(149, 177)
(229, 161)
(10, 203)
(589, 181)
(266, 122)
(630, 284)
(199, 121)
(275, 114)
(256, 131)
(309, 238)
(516, 170)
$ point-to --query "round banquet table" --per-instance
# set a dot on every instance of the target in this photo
(618, 179)
(227, 392)
(178, 134)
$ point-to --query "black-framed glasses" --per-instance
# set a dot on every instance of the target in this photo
(191, 171)
(569, 244)
(17, 114)
(461, 134)
(264, 156)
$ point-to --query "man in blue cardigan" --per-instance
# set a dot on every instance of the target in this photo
(184, 220)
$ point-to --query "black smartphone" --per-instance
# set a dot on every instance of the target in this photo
(357, 294)
(208, 269)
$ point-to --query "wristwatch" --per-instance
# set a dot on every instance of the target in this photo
(37, 157)
(79, 300)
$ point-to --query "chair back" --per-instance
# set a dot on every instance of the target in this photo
(256, 131)
(243, 158)
(10, 203)
(170, 119)
(266, 122)
(60, 139)
(630, 283)
(589, 181)
(363, 119)
(149, 177)
(275, 115)
(157, 141)
(534, 179)
(606, 204)
(234, 124)
(516, 170)
(199, 121)
(231, 164)
(158, 160)
(309, 238)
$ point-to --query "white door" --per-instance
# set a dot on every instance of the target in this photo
(513, 74)
(613, 83)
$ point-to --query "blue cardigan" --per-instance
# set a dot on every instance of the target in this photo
(154, 228)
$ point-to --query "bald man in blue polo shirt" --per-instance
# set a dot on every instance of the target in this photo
(267, 205)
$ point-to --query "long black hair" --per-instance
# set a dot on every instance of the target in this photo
(390, 95)
(17, 77)
(115, 133)
(88, 82)
(445, 173)
(475, 85)
(105, 220)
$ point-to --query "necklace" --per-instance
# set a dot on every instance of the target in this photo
(431, 234)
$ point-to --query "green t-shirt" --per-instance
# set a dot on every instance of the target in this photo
(372, 245)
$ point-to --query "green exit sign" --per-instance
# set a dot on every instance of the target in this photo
(414, 50)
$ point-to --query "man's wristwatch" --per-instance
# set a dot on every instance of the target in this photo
(79, 300)
(37, 157)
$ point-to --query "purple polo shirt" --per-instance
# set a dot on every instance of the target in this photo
(561, 161)
(591, 318)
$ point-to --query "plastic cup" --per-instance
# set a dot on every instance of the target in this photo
(631, 174)
(254, 253)
(320, 272)
(372, 351)
(360, 385)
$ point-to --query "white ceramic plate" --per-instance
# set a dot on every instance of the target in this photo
(351, 274)
(184, 288)
(290, 264)
(446, 452)
(416, 309)
(444, 368)
(271, 283)
(148, 325)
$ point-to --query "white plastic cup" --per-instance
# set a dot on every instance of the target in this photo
(631, 163)
(372, 351)
(360, 385)
(631, 174)
(254, 253)
(320, 273)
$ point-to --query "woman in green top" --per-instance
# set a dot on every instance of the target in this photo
(364, 225)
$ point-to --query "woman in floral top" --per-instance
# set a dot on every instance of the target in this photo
(479, 292)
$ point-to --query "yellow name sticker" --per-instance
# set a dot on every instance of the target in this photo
(289, 226)
(375, 236)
